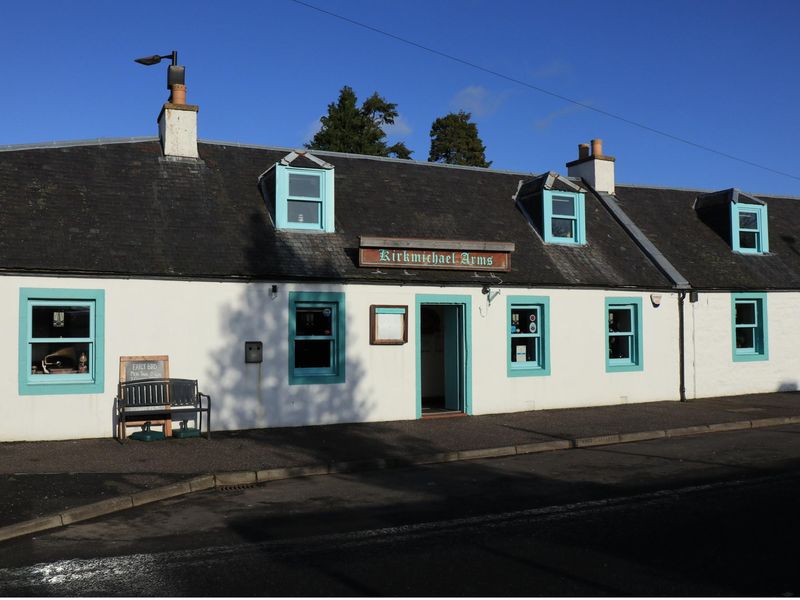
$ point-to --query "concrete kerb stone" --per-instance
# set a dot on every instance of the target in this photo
(487, 453)
(597, 440)
(774, 421)
(642, 436)
(96, 509)
(236, 478)
(27, 527)
(202, 483)
(732, 426)
(690, 430)
(536, 447)
(161, 493)
(291, 472)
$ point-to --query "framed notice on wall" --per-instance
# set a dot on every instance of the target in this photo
(388, 324)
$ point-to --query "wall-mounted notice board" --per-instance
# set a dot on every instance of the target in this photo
(388, 325)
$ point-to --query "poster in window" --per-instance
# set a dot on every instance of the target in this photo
(388, 325)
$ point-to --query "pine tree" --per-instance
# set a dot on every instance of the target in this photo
(359, 130)
(455, 141)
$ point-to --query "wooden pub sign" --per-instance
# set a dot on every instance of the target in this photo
(408, 253)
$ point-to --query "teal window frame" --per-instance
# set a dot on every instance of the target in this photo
(541, 366)
(578, 218)
(760, 348)
(335, 373)
(635, 362)
(761, 230)
(93, 381)
(325, 201)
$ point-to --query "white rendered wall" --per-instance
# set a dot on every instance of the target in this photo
(203, 327)
(578, 374)
(711, 370)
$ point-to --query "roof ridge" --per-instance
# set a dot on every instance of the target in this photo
(704, 191)
(73, 143)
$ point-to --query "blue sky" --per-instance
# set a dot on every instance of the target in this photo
(725, 75)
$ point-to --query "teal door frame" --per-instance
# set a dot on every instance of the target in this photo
(465, 302)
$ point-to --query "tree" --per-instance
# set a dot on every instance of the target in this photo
(359, 130)
(455, 141)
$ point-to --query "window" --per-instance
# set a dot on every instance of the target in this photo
(61, 341)
(624, 334)
(528, 348)
(316, 337)
(749, 228)
(304, 198)
(749, 326)
(564, 218)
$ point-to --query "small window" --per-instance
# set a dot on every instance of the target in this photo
(564, 220)
(749, 228)
(623, 334)
(749, 326)
(61, 341)
(304, 198)
(528, 345)
(316, 337)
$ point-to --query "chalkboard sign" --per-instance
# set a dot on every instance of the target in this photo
(134, 368)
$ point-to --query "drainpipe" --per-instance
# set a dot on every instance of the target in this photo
(681, 343)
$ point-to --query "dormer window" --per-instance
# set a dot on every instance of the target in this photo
(300, 197)
(738, 218)
(556, 208)
(564, 217)
(749, 228)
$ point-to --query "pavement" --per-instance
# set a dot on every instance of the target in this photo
(45, 485)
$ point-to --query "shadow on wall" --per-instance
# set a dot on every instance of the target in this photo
(788, 386)
(258, 395)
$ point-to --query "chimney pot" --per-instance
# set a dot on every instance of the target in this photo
(583, 151)
(597, 147)
(178, 95)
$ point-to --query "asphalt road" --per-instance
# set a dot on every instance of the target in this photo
(710, 515)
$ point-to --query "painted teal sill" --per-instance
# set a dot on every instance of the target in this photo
(528, 371)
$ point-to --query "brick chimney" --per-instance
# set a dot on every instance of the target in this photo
(177, 125)
(595, 168)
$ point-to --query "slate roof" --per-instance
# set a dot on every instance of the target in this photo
(702, 254)
(123, 210)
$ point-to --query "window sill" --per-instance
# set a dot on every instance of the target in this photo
(528, 372)
(316, 379)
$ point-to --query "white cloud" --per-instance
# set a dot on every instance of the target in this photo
(311, 130)
(546, 121)
(477, 100)
(399, 129)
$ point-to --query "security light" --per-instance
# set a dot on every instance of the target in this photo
(155, 59)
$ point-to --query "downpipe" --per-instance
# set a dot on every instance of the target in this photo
(681, 344)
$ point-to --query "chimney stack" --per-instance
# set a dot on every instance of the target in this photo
(177, 123)
(596, 169)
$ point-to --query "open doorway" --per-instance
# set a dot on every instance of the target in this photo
(442, 353)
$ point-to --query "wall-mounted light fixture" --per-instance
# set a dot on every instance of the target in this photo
(655, 299)
(273, 291)
(489, 293)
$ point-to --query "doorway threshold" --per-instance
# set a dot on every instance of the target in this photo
(442, 413)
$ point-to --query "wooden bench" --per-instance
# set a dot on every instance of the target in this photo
(161, 400)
